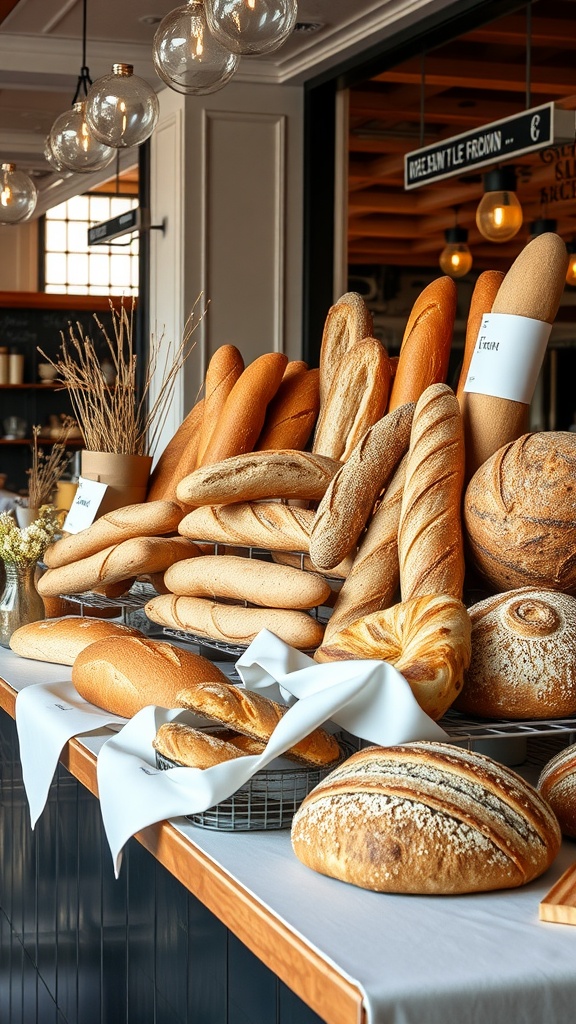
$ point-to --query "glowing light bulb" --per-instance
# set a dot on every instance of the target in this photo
(73, 144)
(122, 109)
(499, 213)
(18, 195)
(186, 55)
(571, 272)
(456, 258)
(251, 26)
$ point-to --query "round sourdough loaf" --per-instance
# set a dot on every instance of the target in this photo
(523, 663)
(519, 513)
(425, 818)
(557, 784)
(125, 674)
(61, 640)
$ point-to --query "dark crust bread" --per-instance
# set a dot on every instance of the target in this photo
(557, 784)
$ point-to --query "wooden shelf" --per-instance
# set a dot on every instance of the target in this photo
(51, 386)
(75, 442)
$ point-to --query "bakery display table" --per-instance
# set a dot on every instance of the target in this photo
(351, 956)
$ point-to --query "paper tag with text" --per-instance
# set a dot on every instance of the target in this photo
(86, 503)
(508, 355)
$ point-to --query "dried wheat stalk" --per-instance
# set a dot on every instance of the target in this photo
(46, 469)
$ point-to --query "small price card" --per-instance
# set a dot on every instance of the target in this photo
(85, 505)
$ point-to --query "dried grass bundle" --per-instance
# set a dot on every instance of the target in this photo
(47, 469)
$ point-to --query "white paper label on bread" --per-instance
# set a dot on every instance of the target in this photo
(507, 357)
(87, 501)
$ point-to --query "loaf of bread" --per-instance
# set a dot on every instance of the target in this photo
(149, 519)
(130, 558)
(255, 716)
(60, 640)
(234, 624)
(267, 525)
(523, 665)
(426, 818)
(242, 417)
(178, 458)
(348, 322)
(284, 473)
(292, 413)
(430, 544)
(519, 514)
(425, 348)
(427, 639)
(192, 748)
(300, 561)
(557, 784)
(247, 579)
(357, 399)
(350, 497)
(224, 369)
(125, 674)
(483, 295)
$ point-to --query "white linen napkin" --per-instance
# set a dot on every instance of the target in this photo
(368, 698)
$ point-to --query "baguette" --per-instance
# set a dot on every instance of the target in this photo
(242, 417)
(223, 371)
(247, 579)
(61, 640)
(425, 348)
(348, 321)
(285, 473)
(292, 413)
(115, 563)
(482, 300)
(357, 398)
(234, 624)
(150, 519)
(267, 525)
(178, 458)
(350, 498)
(430, 544)
(294, 366)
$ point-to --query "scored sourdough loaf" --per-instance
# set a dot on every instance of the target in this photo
(284, 473)
(247, 579)
(557, 784)
(426, 818)
(256, 716)
(178, 458)
(426, 639)
(234, 624)
(118, 562)
(224, 369)
(60, 640)
(125, 674)
(425, 348)
(148, 519)
(267, 525)
(348, 322)
(292, 413)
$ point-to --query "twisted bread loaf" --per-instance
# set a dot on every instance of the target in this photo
(266, 525)
(348, 321)
(557, 784)
(284, 473)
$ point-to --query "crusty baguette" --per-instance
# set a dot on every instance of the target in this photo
(350, 498)
(430, 545)
(283, 473)
(292, 413)
(294, 366)
(117, 562)
(234, 624)
(304, 562)
(357, 398)
(242, 417)
(223, 371)
(149, 519)
(268, 525)
(485, 291)
(60, 640)
(193, 748)
(348, 321)
(247, 579)
(425, 348)
(257, 717)
(178, 458)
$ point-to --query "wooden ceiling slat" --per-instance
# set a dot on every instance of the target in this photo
(474, 74)
(548, 32)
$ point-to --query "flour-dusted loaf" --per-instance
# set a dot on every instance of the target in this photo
(247, 579)
(557, 784)
(61, 639)
(281, 473)
(523, 656)
(348, 321)
(426, 818)
(192, 748)
(264, 524)
(149, 519)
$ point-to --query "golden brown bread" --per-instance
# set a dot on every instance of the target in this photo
(557, 784)
(285, 473)
(300, 561)
(292, 413)
(349, 499)
(247, 579)
(60, 640)
(149, 519)
(427, 639)
(430, 545)
(262, 524)
(425, 348)
(222, 372)
(483, 295)
(425, 818)
(125, 674)
(348, 321)
(255, 716)
(193, 748)
(178, 458)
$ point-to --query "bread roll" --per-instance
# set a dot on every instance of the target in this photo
(350, 497)
(247, 579)
(266, 525)
(61, 640)
(519, 514)
(257, 717)
(348, 322)
(129, 558)
(425, 348)
(224, 369)
(192, 748)
(150, 519)
(357, 398)
(425, 818)
(125, 674)
(242, 417)
(234, 624)
(557, 784)
(178, 458)
(285, 473)
(523, 663)
(430, 545)
(292, 413)
(427, 640)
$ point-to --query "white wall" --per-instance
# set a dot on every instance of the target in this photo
(19, 257)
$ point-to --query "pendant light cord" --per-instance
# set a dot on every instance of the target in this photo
(84, 80)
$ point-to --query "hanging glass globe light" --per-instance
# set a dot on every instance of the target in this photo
(251, 26)
(18, 195)
(121, 108)
(187, 57)
(52, 159)
(73, 144)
